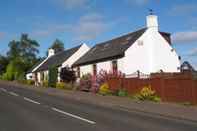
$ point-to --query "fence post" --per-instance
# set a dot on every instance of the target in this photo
(138, 73)
(194, 97)
(162, 86)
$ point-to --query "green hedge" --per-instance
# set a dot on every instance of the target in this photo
(53, 74)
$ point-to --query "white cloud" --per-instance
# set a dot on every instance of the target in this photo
(185, 37)
(137, 2)
(183, 9)
(2, 35)
(89, 27)
(48, 30)
(193, 52)
(195, 66)
(73, 4)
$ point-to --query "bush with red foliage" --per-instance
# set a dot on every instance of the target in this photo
(67, 75)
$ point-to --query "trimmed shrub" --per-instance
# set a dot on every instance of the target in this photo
(14, 71)
(30, 82)
(45, 84)
(66, 86)
(60, 85)
(53, 74)
(104, 89)
(147, 94)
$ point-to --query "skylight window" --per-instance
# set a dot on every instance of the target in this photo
(126, 42)
(129, 38)
(106, 45)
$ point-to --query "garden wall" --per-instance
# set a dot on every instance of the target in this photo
(176, 87)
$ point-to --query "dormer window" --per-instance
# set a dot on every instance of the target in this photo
(140, 43)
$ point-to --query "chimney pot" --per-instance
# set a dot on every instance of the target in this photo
(51, 52)
(152, 22)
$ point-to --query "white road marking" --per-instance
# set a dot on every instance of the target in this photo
(32, 101)
(13, 93)
(4, 90)
(74, 116)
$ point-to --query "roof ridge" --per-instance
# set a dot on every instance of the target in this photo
(115, 38)
(67, 50)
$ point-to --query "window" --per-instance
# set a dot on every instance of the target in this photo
(140, 43)
(94, 70)
(114, 66)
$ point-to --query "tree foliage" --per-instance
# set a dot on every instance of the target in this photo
(22, 55)
(3, 64)
(58, 46)
(14, 70)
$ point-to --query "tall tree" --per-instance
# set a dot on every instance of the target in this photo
(3, 64)
(26, 49)
(14, 50)
(29, 50)
(58, 46)
(22, 55)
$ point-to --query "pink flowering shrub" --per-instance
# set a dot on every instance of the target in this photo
(102, 78)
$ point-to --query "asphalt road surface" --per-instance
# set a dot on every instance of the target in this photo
(25, 110)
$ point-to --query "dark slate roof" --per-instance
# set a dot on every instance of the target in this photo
(166, 36)
(57, 59)
(112, 49)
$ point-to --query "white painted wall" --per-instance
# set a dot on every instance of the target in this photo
(29, 76)
(149, 54)
(39, 77)
(87, 69)
(58, 74)
(164, 57)
(106, 66)
(137, 57)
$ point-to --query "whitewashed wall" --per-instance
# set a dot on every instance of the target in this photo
(164, 56)
(39, 77)
(29, 76)
(137, 57)
(87, 69)
(106, 66)
(149, 54)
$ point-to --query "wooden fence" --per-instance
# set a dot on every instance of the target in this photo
(176, 87)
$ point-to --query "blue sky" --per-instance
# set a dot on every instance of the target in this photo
(94, 21)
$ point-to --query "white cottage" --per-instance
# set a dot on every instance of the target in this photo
(147, 50)
(60, 60)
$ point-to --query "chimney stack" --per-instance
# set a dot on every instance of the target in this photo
(152, 22)
(51, 52)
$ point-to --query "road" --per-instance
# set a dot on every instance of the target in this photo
(26, 110)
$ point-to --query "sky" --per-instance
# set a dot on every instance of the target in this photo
(94, 21)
